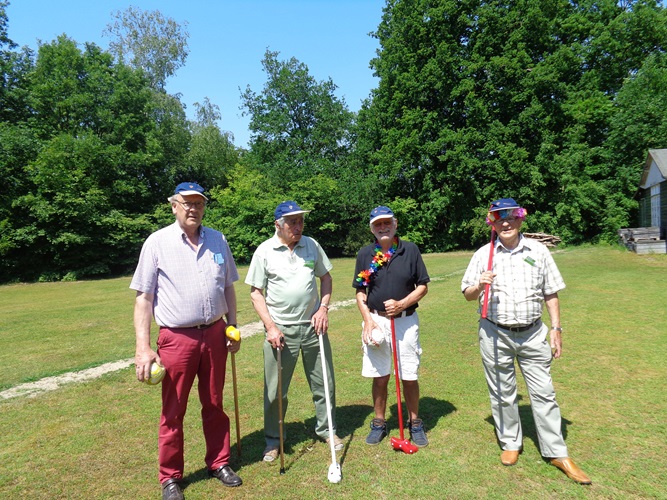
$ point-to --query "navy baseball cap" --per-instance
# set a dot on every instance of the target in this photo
(188, 188)
(503, 204)
(289, 208)
(381, 212)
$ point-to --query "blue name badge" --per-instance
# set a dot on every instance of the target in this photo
(218, 259)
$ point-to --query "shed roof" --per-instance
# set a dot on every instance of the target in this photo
(659, 156)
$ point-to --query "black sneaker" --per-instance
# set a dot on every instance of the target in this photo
(378, 431)
(417, 435)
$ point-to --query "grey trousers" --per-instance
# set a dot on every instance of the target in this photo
(499, 349)
(298, 338)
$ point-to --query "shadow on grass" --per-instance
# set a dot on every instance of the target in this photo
(300, 437)
(431, 410)
(528, 424)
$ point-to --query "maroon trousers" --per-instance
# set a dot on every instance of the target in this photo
(186, 353)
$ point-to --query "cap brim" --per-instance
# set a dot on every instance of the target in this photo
(504, 208)
(190, 193)
(378, 217)
(295, 212)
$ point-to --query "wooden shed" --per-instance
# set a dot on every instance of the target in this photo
(651, 236)
(652, 192)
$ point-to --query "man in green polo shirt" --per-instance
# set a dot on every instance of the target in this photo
(284, 294)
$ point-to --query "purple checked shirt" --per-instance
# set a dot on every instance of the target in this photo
(188, 285)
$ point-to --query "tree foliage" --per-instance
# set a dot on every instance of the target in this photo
(90, 150)
(301, 142)
(149, 41)
(479, 100)
(552, 102)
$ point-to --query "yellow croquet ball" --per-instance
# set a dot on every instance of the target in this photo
(233, 333)
(157, 374)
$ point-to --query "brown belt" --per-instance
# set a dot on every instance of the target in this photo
(384, 313)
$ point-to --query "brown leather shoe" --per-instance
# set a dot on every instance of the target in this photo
(570, 469)
(510, 457)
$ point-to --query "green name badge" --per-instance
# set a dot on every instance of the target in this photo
(309, 264)
(530, 261)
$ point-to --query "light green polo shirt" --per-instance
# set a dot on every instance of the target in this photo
(288, 278)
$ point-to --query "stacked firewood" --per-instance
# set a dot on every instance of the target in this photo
(548, 239)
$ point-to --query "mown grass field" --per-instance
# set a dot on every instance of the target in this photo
(99, 439)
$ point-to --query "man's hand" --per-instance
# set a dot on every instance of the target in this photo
(233, 346)
(143, 359)
(556, 340)
(367, 333)
(320, 321)
(275, 337)
(486, 279)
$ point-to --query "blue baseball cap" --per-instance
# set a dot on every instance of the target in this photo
(503, 204)
(188, 188)
(289, 208)
(381, 212)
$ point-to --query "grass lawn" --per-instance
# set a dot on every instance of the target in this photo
(99, 439)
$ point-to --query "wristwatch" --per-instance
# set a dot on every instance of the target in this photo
(557, 328)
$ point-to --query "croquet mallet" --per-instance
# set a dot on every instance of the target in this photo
(280, 405)
(487, 287)
(399, 444)
(233, 333)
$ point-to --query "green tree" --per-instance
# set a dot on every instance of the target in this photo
(301, 142)
(149, 41)
(299, 128)
(212, 154)
(87, 157)
(479, 100)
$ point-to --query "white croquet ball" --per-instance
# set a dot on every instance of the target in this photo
(378, 336)
(157, 374)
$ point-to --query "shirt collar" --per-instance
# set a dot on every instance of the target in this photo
(276, 243)
(179, 231)
(523, 243)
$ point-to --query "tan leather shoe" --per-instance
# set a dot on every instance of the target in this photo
(509, 457)
(571, 470)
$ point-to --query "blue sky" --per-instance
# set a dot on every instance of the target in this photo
(227, 42)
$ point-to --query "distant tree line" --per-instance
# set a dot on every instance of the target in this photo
(552, 102)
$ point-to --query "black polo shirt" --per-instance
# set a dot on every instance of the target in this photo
(394, 280)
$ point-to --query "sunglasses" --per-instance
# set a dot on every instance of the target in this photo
(508, 214)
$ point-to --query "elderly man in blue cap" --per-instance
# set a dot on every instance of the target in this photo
(283, 289)
(185, 280)
(523, 278)
(390, 280)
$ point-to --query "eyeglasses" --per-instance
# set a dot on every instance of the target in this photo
(189, 205)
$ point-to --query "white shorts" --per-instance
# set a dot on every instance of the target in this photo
(378, 359)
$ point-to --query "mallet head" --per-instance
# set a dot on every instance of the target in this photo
(335, 474)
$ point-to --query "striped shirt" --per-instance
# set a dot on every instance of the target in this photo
(523, 277)
(188, 285)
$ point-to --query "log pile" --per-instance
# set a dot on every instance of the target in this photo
(547, 239)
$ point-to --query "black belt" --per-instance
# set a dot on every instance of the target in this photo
(384, 313)
(202, 327)
(516, 328)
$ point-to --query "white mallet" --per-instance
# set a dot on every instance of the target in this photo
(335, 474)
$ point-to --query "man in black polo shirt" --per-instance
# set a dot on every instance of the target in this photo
(390, 279)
